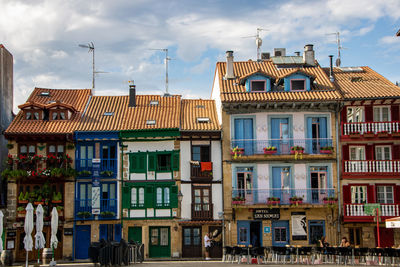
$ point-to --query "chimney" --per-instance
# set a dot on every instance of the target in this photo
(297, 53)
(132, 95)
(229, 65)
(309, 56)
(331, 68)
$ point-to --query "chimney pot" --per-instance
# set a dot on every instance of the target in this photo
(132, 95)
(331, 68)
(297, 53)
(229, 65)
(309, 55)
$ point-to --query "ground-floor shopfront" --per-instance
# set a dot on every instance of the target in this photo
(87, 232)
(366, 234)
(281, 226)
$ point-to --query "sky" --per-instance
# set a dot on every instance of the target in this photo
(43, 36)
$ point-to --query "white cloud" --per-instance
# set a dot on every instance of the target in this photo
(388, 40)
(201, 67)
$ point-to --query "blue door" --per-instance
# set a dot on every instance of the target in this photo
(281, 183)
(244, 135)
(243, 233)
(280, 233)
(280, 135)
(82, 241)
(317, 134)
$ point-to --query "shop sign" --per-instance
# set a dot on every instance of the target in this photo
(299, 226)
(266, 214)
(267, 230)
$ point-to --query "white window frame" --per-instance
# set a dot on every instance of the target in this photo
(382, 152)
(357, 152)
(380, 108)
(385, 192)
(359, 196)
(353, 115)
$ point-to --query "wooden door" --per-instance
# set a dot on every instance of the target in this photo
(216, 248)
(160, 242)
(191, 242)
(82, 241)
(135, 234)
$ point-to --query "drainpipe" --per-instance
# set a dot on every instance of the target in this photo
(223, 204)
(121, 187)
(338, 171)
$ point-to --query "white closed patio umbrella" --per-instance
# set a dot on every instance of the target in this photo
(1, 231)
(28, 227)
(54, 228)
(40, 242)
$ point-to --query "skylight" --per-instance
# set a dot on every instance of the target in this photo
(200, 106)
(151, 122)
(203, 120)
(44, 94)
(154, 103)
(351, 69)
(108, 113)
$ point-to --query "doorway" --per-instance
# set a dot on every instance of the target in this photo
(318, 183)
(216, 248)
(386, 237)
(191, 242)
(82, 241)
(255, 234)
(135, 234)
(159, 245)
(316, 230)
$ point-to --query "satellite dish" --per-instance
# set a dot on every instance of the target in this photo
(338, 62)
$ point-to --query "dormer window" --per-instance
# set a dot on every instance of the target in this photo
(203, 120)
(58, 115)
(200, 106)
(32, 115)
(257, 86)
(297, 84)
(44, 94)
(150, 122)
(154, 103)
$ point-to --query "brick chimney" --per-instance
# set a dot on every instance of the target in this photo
(309, 55)
(229, 65)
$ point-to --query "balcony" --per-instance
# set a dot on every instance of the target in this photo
(202, 211)
(370, 127)
(105, 165)
(383, 167)
(83, 209)
(285, 196)
(355, 212)
(196, 172)
(283, 146)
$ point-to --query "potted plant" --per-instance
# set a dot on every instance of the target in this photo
(59, 210)
(39, 200)
(326, 150)
(21, 211)
(237, 152)
(273, 201)
(57, 197)
(22, 199)
(330, 200)
(57, 172)
(396, 134)
(238, 200)
(354, 134)
(70, 146)
(107, 214)
(270, 150)
(296, 150)
(383, 134)
(107, 173)
(84, 173)
(83, 214)
(369, 134)
(10, 146)
(295, 200)
(10, 160)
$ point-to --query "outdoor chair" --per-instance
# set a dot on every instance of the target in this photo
(228, 254)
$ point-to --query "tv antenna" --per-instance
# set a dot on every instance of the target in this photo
(166, 67)
(258, 41)
(339, 48)
(90, 46)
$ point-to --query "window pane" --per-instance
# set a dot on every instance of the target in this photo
(159, 196)
(141, 196)
(196, 153)
(187, 236)
(113, 152)
(62, 115)
(83, 156)
(298, 84)
(24, 149)
(105, 152)
(164, 237)
(28, 115)
(54, 116)
(32, 149)
(133, 196)
(166, 196)
(89, 155)
(60, 148)
(377, 116)
(52, 149)
(36, 115)
(89, 192)
(243, 235)
(385, 114)
(154, 237)
(257, 85)
(112, 191)
(82, 191)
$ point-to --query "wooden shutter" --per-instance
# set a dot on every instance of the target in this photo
(174, 196)
(397, 194)
(149, 196)
(346, 194)
(132, 162)
(395, 113)
(369, 114)
(369, 151)
(141, 162)
(371, 194)
(343, 115)
(117, 232)
(152, 165)
(175, 161)
(345, 152)
(126, 197)
(396, 152)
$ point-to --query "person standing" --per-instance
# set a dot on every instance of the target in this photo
(207, 245)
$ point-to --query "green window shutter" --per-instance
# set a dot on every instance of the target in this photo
(175, 161)
(126, 197)
(149, 196)
(132, 162)
(141, 162)
(152, 161)
(174, 196)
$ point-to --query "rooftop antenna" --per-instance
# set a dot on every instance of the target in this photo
(258, 41)
(90, 46)
(166, 67)
(339, 47)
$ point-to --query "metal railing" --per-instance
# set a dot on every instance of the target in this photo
(195, 171)
(371, 166)
(283, 146)
(105, 165)
(370, 127)
(85, 205)
(357, 210)
(260, 196)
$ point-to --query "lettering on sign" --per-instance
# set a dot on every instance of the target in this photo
(266, 214)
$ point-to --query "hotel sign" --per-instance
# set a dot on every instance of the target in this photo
(266, 214)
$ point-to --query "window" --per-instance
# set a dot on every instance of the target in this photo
(164, 162)
(381, 113)
(151, 122)
(355, 114)
(257, 86)
(355, 236)
(27, 150)
(243, 235)
(108, 196)
(108, 157)
(57, 150)
(58, 115)
(86, 156)
(203, 120)
(108, 113)
(357, 153)
(358, 194)
(201, 199)
(245, 182)
(153, 102)
(280, 234)
(85, 195)
(384, 194)
(201, 153)
(163, 196)
(32, 115)
(154, 237)
(297, 85)
(137, 197)
(383, 153)
(164, 236)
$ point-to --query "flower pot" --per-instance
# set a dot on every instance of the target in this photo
(23, 201)
(296, 202)
(330, 201)
(273, 202)
(38, 202)
(238, 202)
(293, 152)
(396, 134)
(270, 152)
(56, 201)
(369, 135)
(325, 151)
(383, 135)
(356, 135)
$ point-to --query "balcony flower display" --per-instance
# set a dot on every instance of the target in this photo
(10, 160)
(238, 200)
(57, 197)
(59, 210)
(295, 200)
(330, 200)
(85, 173)
(383, 134)
(107, 214)
(369, 134)
(396, 134)
(23, 198)
(107, 173)
(269, 150)
(297, 151)
(21, 211)
(354, 134)
(273, 201)
(237, 152)
(326, 150)
(83, 214)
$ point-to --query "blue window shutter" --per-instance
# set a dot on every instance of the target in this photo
(323, 132)
(117, 232)
(309, 144)
(103, 232)
(243, 225)
(239, 129)
(286, 83)
(308, 84)
(276, 181)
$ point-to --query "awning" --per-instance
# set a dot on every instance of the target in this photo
(393, 222)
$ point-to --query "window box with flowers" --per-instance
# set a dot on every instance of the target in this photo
(237, 152)
(57, 198)
(60, 210)
(354, 135)
(273, 201)
(238, 200)
(107, 173)
(396, 134)
(270, 150)
(326, 150)
(23, 198)
(84, 214)
(330, 200)
(10, 160)
(295, 200)
(296, 149)
(21, 211)
(383, 134)
(369, 134)
(107, 214)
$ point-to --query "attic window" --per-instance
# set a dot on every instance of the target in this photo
(51, 102)
(298, 85)
(151, 122)
(356, 79)
(203, 120)
(44, 94)
(108, 113)
(200, 106)
(154, 103)
(257, 86)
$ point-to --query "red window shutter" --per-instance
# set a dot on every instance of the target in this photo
(345, 151)
(369, 150)
(397, 194)
(343, 115)
(395, 113)
(371, 193)
(369, 115)
(346, 194)
(396, 151)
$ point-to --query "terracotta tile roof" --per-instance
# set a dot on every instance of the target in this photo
(233, 91)
(364, 84)
(76, 98)
(166, 114)
(199, 108)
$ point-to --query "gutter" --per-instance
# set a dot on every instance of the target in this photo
(338, 171)
(223, 196)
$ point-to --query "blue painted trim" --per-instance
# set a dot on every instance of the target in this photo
(281, 165)
(96, 135)
(296, 76)
(328, 174)
(315, 222)
(258, 77)
(233, 117)
(328, 123)
(286, 116)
